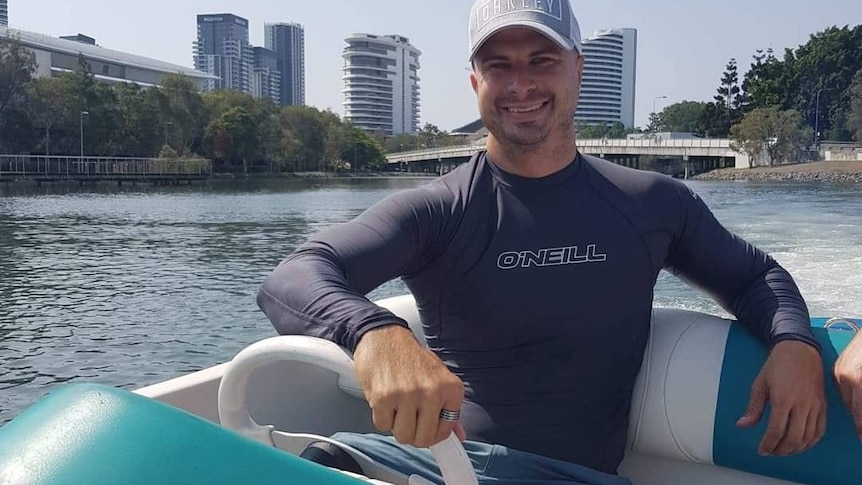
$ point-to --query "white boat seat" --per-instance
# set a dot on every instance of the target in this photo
(692, 387)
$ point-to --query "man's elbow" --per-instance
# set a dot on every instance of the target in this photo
(272, 297)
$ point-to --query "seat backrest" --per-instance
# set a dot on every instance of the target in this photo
(693, 386)
(84, 434)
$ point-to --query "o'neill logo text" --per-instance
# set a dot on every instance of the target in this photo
(550, 257)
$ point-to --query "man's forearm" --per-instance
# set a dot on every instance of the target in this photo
(773, 307)
(307, 295)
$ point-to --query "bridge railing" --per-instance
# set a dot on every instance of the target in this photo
(658, 143)
(592, 143)
(100, 167)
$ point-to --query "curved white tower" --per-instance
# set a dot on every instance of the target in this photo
(608, 88)
(381, 83)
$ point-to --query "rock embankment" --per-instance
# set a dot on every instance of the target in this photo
(828, 172)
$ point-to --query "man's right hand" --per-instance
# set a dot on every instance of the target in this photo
(848, 378)
(407, 386)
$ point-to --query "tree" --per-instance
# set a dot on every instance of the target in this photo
(726, 109)
(603, 130)
(182, 112)
(780, 135)
(765, 83)
(825, 65)
(363, 151)
(303, 137)
(656, 123)
(683, 117)
(402, 142)
(17, 67)
(855, 117)
(45, 108)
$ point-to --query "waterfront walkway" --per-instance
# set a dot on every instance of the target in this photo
(42, 168)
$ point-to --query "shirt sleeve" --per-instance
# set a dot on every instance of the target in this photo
(319, 290)
(744, 280)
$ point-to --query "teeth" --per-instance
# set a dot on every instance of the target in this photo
(525, 110)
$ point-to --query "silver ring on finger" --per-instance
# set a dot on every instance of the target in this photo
(447, 415)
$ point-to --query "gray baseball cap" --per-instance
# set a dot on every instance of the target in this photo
(554, 18)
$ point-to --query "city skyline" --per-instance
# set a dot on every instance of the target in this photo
(222, 48)
(276, 70)
(678, 56)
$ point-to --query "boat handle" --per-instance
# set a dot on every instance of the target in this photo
(455, 466)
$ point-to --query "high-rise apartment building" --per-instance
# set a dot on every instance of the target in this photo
(266, 78)
(608, 87)
(4, 13)
(222, 49)
(381, 83)
(287, 41)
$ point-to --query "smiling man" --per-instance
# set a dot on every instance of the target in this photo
(533, 267)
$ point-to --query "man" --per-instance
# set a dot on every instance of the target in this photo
(533, 268)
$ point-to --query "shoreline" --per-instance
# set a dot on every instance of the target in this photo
(840, 172)
(214, 178)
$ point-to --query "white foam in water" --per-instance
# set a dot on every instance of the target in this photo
(828, 271)
(814, 231)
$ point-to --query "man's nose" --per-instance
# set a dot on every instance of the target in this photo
(521, 81)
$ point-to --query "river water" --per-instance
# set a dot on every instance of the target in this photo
(131, 286)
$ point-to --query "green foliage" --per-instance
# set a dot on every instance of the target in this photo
(603, 130)
(854, 120)
(727, 107)
(825, 65)
(429, 136)
(683, 117)
(656, 123)
(237, 131)
(779, 135)
(17, 66)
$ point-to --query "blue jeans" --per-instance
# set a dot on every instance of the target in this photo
(494, 464)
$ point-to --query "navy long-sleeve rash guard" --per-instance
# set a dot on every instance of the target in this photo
(537, 293)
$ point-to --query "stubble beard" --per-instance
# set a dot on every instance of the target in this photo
(518, 134)
(532, 134)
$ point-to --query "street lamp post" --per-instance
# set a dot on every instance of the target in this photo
(654, 101)
(83, 113)
(817, 121)
(169, 123)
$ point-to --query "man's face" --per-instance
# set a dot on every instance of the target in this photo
(527, 86)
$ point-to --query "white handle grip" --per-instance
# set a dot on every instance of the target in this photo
(455, 465)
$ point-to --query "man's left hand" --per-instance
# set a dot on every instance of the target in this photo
(792, 381)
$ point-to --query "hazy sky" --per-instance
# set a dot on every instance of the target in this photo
(683, 45)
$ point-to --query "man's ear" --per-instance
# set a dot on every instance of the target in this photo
(474, 81)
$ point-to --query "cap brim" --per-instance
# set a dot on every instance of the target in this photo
(540, 28)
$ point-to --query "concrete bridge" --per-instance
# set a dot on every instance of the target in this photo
(673, 157)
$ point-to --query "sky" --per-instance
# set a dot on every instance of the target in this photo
(683, 45)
